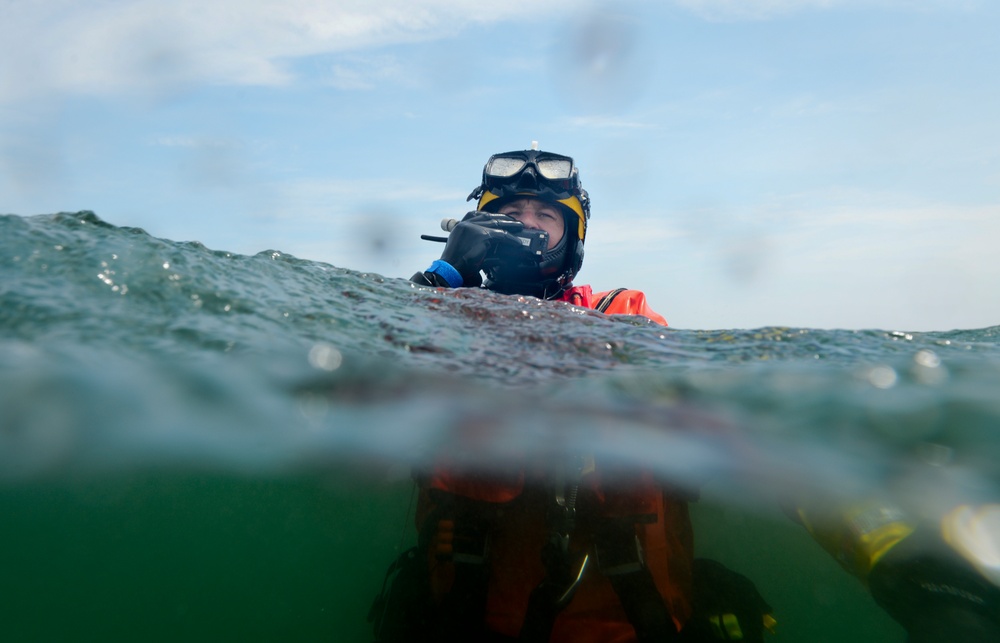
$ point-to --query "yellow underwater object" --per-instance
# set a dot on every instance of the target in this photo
(859, 535)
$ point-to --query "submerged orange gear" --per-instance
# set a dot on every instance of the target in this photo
(518, 530)
(595, 614)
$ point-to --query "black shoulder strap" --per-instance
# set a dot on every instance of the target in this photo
(461, 615)
(399, 613)
(622, 561)
(607, 299)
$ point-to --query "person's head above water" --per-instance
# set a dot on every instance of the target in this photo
(541, 190)
(527, 231)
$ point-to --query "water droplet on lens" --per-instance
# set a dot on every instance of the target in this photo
(882, 377)
(927, 358)
(325, 357)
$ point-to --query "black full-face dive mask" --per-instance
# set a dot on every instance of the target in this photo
(526, 272)
(548, 177)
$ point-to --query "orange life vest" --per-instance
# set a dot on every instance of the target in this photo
(518, 531)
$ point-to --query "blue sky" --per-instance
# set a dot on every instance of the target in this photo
(812, 163)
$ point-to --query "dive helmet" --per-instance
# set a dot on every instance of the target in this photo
(548, 177)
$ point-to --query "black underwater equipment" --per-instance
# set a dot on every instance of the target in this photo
(934, 592)
(516, 260)
(403, 607)
(549, 177)
(534, 242)
(727, 606)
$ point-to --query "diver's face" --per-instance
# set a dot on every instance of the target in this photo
(538, 215)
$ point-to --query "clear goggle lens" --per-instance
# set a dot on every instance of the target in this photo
(554, 168)
(549, 168)
(505, 166)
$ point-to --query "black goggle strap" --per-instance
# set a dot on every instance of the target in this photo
(477, 193)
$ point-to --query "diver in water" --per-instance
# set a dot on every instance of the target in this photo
(575, 552)
(527, 235)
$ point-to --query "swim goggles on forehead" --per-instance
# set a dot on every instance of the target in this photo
(557, 171)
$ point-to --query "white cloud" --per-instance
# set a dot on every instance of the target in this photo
(765, 9)
(364, 73)
(382, 189)
(189, 142)
(111, 46)
(811, 105)
(851, 260)
(752, 9)
(323, 197)
(919, 247)
(608, 122)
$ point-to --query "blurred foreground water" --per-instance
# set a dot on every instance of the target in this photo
(196, 445)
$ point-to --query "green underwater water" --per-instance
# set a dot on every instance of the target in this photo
(814, 599)
(174, 557)
(195, 557)
(202, 446)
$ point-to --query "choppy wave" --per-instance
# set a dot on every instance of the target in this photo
(120, 349)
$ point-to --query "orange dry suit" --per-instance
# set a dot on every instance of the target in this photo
(494, 556)
(613, 302)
